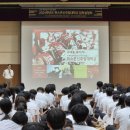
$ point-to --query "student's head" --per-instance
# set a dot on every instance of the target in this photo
(48, 88)
(76, 99)
(56, 118)
(78, 85)
(53, 88)
(65, 90)
(121, 101)
(27, 95)
(20, 118)
(99, 84)
(83, 95)
(18, 100)
(40, 89)
(115, 97)
(21, 107)
(109, 91)
(79, 113)
(33, 126)
(127, 101)
(111, 85)
(6, 105)
(33, 91)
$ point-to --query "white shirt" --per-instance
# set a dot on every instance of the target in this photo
(111, 108)
(89, 107)
(64, 102)
(122, 118)
(128, 125)
(105, 103)
(41, 100)
(32, 107)
(83, 127)
(8, 74)
(9, 125)
(95, 93)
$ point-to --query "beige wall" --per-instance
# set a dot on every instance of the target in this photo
(9, 42)
(120, 42)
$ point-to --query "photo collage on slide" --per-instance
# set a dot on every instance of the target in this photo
(65, 53)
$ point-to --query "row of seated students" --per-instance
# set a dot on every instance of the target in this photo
(112, 106)
(41, 110)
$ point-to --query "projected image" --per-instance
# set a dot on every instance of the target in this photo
(65, 53)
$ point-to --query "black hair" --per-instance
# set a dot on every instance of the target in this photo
(65, 90)
(115, 97)
(20, 118)
(33, 91)
(48, 88)
(52, 88)
(40, 89)
(83, 94)
(109, 91)
(127, 101)
(79, 113)
(99, 84)
(56, 118)
(33, 126)
(27, 95)
(5, 105)
(76, 99)
(121, 101)
(78, 85)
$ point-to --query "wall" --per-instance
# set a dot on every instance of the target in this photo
(10, 48)
(119, 50)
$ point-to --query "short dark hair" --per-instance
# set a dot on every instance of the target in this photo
(48, 88)
(40, 89)
(79, 112)
(20, 118)
(99, 84)
(127, 101)
(76, 99)
(33, 126)
(5, 105)
(56, 118)
(109, 91)
(65, 90)
(33, 91)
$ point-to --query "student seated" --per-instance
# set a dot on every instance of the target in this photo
(80, 113)
(33, 126)
(56, 119)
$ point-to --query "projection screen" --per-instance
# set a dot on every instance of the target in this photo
(64, 53)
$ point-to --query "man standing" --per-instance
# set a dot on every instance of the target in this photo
(8, 75)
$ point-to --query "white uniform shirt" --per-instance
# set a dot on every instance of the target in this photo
(122, 118)
(41, 100)
(105, 103)
(8, 74)
(9, 125)
(128, 125)
(83, 127)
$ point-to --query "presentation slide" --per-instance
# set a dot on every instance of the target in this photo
(64, 53)
(72, 53)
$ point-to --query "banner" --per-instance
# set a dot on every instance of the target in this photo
(73, 12)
